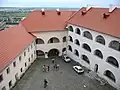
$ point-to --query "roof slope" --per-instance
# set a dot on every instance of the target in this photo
(12, 42)
(51, 21)
(93, 19)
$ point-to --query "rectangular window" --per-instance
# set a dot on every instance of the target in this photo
(14, 64)
(10, 84)
(20, 58)
(8, 70)
(32, 56)
(21, 70)
(24, 53)
(29, 59)
(25, 64)
(28, 49)
(1, 78)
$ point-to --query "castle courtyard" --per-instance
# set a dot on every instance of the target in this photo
(63, 79)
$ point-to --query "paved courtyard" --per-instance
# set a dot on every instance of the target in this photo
(64, 79)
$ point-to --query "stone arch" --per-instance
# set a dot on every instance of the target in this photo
(86, 47)
(98, 53)
(39, 41)
(115, 45)
(64, 39)
(40, 53)
(111, 60)
(88, 35)
(76, 52)
(69, 48)
(100, 39)
(70, 28)
(53, 52)
(85, 58)
(64, 49)
(110, 75)
(70, 39)
(77, 42)
(53, 40)
(77, 30)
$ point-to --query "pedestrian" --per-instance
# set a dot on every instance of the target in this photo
(44, 69)
(48, 67)
(58, 66)
(55, 66)
(45, 83)
(53, 61)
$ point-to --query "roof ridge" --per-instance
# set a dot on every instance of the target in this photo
(74, 14)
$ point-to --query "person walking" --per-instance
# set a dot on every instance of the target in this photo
(48, 67)
(55, 67)
(53, 61)
(44, 68)
(58, 66)
(45, 83)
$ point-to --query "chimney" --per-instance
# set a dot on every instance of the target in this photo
(105, 15)
(113, 7)
(43, 11)
(83, 12)
(89, 7)
(58, 12)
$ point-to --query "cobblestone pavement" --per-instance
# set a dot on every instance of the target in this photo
(64, 79)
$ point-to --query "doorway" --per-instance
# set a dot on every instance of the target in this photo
(53, 52)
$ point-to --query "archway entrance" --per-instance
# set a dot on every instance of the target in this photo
(53, 52)
(96, 68)
(40, 53)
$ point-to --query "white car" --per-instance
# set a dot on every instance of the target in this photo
(78, 69)
(66, 58)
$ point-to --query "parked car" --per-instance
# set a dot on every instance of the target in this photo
(78, 69)
(66, 58)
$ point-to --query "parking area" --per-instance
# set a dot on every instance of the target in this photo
(63, 79)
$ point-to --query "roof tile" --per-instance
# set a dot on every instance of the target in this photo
(12, 42)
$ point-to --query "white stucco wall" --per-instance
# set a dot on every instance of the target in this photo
(106, 51)
(45, 36)
(19, 64)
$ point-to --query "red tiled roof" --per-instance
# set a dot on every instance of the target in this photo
(93, 19)
(51, 21)
(12, 42)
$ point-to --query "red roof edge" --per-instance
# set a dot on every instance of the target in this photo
(73, 15)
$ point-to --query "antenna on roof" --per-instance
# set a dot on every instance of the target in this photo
(43, 11)
(58, 11)
(113, 7)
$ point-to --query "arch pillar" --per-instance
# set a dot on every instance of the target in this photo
(46, 54)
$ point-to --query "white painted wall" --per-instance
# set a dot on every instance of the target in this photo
(19, 64)
(102, 64)
(45, 36)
